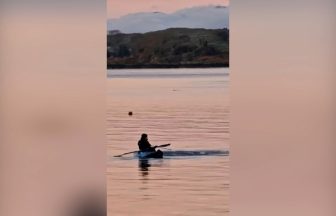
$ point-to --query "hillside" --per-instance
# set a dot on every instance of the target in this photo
(175, 47)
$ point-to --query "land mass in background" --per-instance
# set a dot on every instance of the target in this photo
(170, 48)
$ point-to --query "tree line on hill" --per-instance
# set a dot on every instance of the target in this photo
(175, 47)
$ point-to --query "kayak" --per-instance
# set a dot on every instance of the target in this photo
(145, 154)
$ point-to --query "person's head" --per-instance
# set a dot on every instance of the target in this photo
(144, 136)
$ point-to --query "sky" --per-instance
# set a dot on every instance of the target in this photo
(118, 8)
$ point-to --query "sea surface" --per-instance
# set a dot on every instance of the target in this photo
(188, 108)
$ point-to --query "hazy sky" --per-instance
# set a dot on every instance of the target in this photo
(117, 8)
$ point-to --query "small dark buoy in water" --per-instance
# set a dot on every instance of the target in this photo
(130, 113)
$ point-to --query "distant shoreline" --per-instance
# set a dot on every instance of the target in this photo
(163, 66)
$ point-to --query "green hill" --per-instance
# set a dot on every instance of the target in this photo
(176, 47)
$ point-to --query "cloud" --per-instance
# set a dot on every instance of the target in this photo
(210, 17)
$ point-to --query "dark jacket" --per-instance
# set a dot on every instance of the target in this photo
(144, 145)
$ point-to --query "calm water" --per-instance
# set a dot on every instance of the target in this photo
(188, 108)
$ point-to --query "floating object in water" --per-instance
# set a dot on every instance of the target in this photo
(130, 113)
(178, 153)
(154, 154)
(160, 146)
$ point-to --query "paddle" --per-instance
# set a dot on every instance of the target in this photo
(160, 146)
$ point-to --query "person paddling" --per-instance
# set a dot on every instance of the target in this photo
(144, 144)
(147, 150)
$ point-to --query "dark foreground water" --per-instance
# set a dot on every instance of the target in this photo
(188, 108)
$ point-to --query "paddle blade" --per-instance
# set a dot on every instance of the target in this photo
(165, 145)
(125, 154)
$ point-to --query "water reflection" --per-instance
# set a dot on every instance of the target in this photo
(144, 167)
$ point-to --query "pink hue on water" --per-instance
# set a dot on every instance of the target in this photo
(188, 108)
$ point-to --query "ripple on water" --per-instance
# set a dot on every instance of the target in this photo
(193, 179)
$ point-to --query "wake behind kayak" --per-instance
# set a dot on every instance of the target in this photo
(180, 153)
